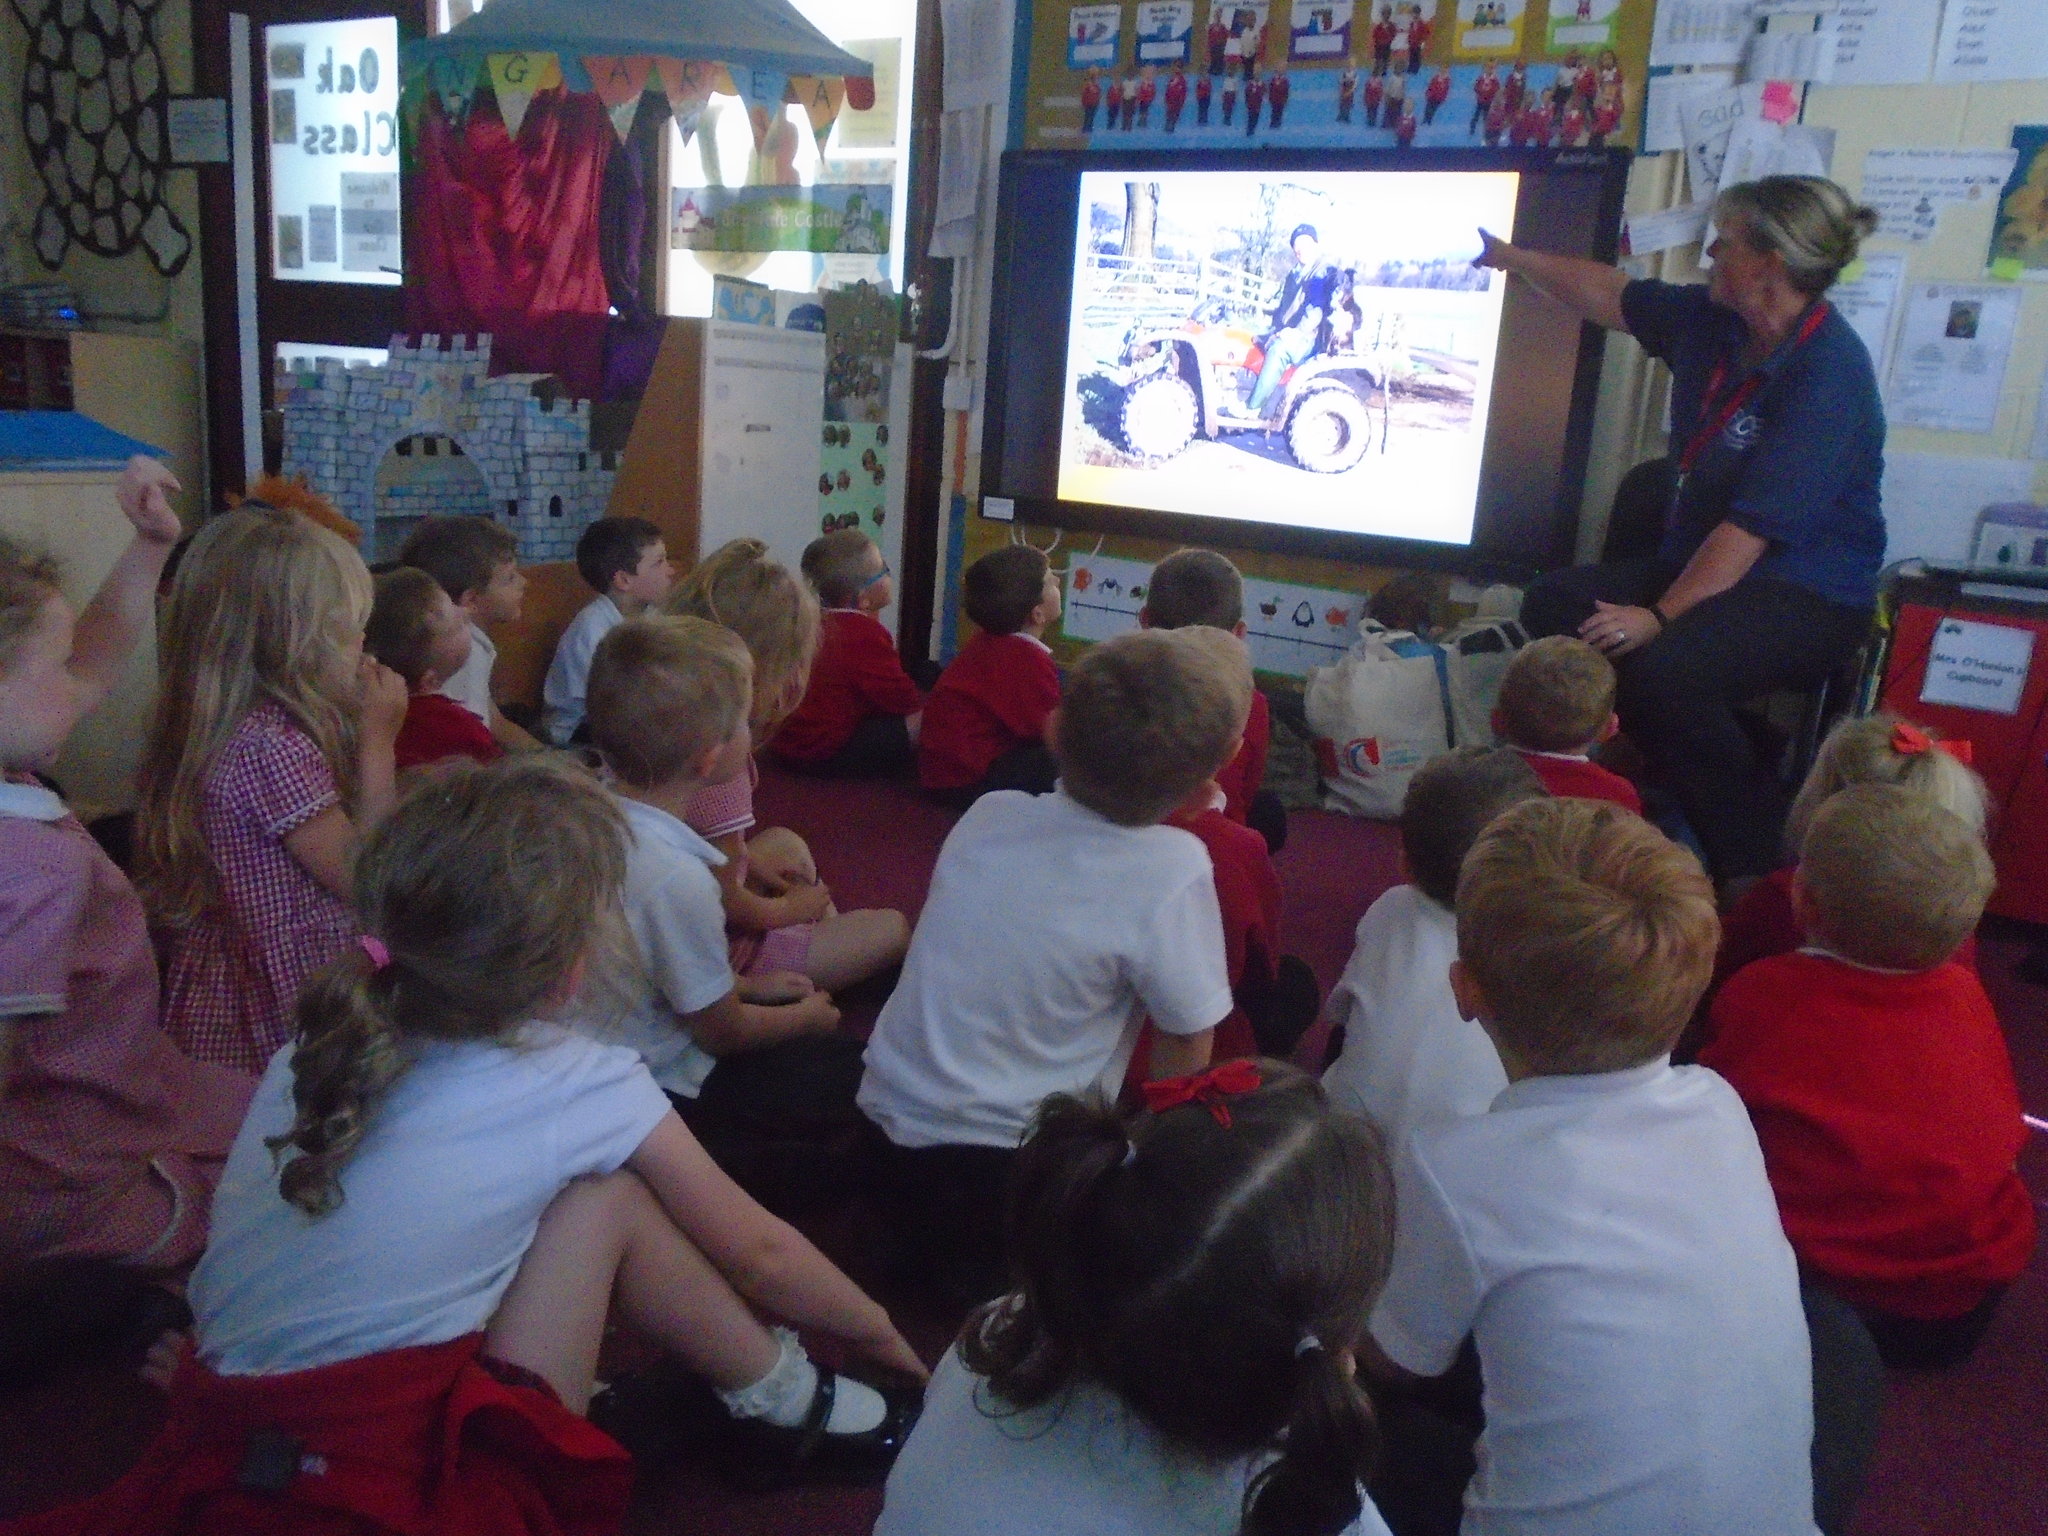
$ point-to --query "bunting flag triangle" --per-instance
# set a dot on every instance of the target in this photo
(454, 81)
(688, 84)
(515, 80)
(821, 97)
(618, 83)
(763, 92)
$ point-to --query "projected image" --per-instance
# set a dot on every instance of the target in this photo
(1313, 350)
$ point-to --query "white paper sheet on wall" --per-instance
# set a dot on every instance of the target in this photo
(1885, 42)
(1794, 40)
(1288, 628)
(1931, 501)
(1949, 366)
(1700, 31)
(1707, 119)
(1869, 301)
(1663, 94)
(1992, 40)
(1648, 233)
(1910, 188)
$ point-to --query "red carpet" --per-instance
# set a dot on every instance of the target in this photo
(1963, 1454)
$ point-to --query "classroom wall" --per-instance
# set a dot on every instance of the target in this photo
(124, 295)
(1629, 421)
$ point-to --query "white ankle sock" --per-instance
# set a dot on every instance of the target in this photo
(784, 1395)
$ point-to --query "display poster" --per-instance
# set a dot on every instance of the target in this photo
(2019, 237)
(1909, 188)
(1338, 74)
(1885, 42)
(1867, 296)
(1320, 30)
(1166, 31)
(830, 218)
(1702, 31)
(1093, 36)
(1288, 628)
(1954, 345)
(1488, 29)
(332, 88)
(1992, 40)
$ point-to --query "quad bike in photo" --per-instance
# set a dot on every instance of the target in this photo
(1193, 380)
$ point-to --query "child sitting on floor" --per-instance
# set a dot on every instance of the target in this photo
(269, 755)
(756, 1068)
(476, 561)
(1605, 1232)
(624, 561)
(779, 913)
(1055, 922)
(860, 714)
(1409, 1057)
(1277, 996)
(1878, 749)
(110, 1139)
(984, 724)
(419, 633)
(1556, 705)
(1176, 1355)
(1199, 586)
(1878, 1079)
(437, 1196)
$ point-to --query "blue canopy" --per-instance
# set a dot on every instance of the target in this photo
(748, 34)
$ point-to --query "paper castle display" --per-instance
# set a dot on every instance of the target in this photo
(520, 452)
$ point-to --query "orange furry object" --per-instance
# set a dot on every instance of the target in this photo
(294, 495)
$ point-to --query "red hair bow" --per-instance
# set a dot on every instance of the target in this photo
(1909, 740)
(1209, 1089)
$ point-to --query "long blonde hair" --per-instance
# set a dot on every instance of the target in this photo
(775, 614)
(485, 888)
(263, 607)
(1868, 751)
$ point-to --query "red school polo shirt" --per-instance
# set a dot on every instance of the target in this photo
(436, 726)
(1576, 778)
(995, 695)
(858, 673)
(1241, 777)
(1889, 1121)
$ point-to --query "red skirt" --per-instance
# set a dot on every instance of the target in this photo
(430, 1441)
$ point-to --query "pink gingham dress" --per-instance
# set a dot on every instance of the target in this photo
(727, 810)
(110, 1141)
(235, 974)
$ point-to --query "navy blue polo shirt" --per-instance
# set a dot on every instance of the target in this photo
(1798, 465)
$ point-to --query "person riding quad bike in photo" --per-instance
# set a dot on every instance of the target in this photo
(1306, 297)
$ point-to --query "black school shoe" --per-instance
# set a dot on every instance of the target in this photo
(760, 1457)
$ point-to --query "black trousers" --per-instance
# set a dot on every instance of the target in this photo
(1029, 767)
(879, 748)
(1679, 693)
(944, 1210)
(782, 1122)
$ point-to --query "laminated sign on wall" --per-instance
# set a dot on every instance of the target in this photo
(1978, 666)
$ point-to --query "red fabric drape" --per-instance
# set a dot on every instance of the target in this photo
(505, 234)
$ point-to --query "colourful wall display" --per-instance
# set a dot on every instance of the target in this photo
(1319, 74)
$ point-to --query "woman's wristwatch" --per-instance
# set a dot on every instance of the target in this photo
(1657, 613)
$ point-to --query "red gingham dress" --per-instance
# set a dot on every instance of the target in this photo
(727, 810)
(235, 974)
(110, 1141)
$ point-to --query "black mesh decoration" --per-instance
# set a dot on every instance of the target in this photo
(93, 114)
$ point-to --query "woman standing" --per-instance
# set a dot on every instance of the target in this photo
(1772, 544)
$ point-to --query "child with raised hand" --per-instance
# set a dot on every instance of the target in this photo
(1055, 924)
(1877, 749)
(756, 1067)
(1878, 1078)
(624, 561)
(269, 755)
(476, 561)
(1176, 1355)
(860, 714)
(110, 1139)
(441, 1192)
(1199, 586)
(984, 724)
(416, 630)
(1605, 1233)
(1410, 1057)
(780, 913)
(1556, 705)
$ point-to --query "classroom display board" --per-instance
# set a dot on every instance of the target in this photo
(1324, 74)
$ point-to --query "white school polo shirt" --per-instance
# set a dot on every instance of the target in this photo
(1612, 1244)
(568, 678)
(470, 684)
(1048, 935)
(1410, 1059)
(677, 918)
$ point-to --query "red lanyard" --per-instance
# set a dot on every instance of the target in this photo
(1724, 411)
